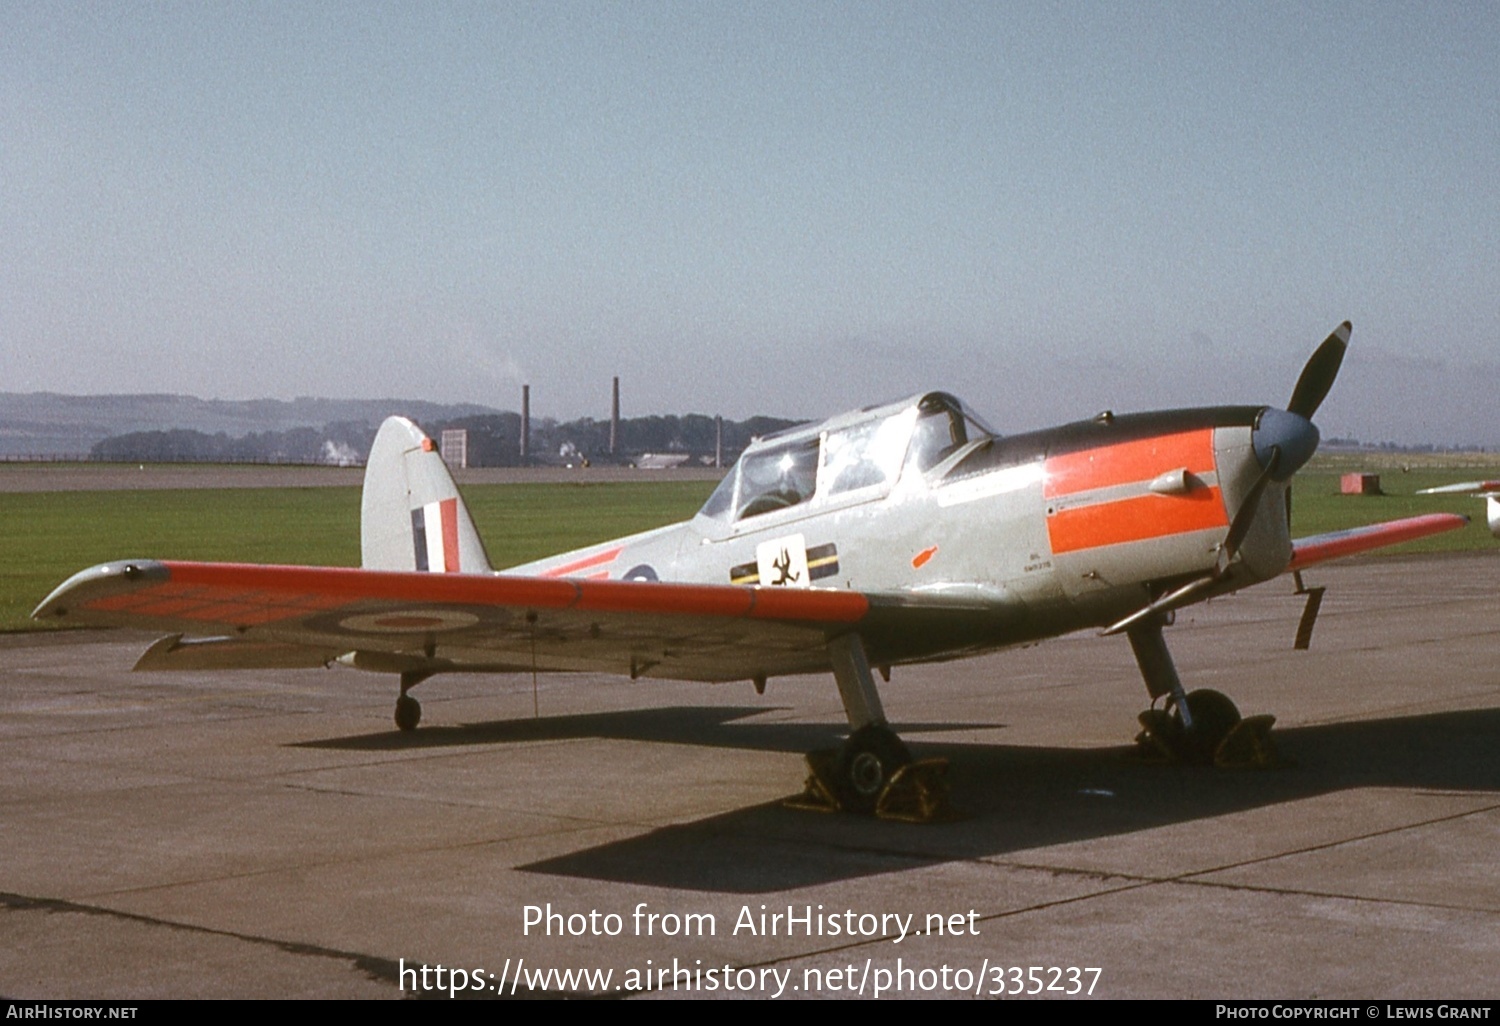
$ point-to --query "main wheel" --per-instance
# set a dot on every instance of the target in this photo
(408, 713)
(1213, 716)
(866, 763)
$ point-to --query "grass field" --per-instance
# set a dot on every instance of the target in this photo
(1317, 506)
(50, 535)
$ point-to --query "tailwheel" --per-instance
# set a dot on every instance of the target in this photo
(1217, 735)
(408, 713)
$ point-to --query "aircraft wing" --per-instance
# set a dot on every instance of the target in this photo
(250, 616)
(1320, 548)
(1464, 488)
(278, 616)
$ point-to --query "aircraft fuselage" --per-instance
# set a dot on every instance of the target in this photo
(1015, 538)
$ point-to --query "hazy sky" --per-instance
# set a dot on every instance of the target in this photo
(758, 208)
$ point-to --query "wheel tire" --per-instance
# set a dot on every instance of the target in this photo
(1214, 716)
(866, 763)
(408, 713)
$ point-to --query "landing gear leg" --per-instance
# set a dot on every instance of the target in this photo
(1201, 727)
(872, 772)
(408, 709)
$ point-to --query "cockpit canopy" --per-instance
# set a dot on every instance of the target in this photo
(854, 456)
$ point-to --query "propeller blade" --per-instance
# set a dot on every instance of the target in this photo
(1317, 377)
(1175, 599)
(1240, 526)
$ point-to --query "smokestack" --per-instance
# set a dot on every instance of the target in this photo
(614, 419)
(525, 422)
(719, 442)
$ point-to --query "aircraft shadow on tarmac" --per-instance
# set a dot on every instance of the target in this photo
(708, 726)
(1009, 798)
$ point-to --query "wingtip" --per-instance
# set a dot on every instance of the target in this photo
(96, 582)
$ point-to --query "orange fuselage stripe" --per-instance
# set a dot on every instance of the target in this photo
(1121, 464)
(1139, 517)
(597, 559)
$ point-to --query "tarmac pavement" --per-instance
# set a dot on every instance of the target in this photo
(270, 834)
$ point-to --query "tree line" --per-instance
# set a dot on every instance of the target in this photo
(494, 441)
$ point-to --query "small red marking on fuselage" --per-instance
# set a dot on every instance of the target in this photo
(587, 562)
(920, 559)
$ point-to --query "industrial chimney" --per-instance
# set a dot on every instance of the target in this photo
(614, 418)
(525, 422)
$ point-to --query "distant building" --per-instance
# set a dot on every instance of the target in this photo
(662, 460)
(456, 448)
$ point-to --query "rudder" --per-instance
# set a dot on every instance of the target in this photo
(411, 514)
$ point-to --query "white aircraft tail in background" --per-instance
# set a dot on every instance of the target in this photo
(1486, 490)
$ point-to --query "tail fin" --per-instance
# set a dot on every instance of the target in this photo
(411, 516)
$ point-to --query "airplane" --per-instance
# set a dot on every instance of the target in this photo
(1489, 491)
(891, 535)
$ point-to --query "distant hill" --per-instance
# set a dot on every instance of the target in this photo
(49, 424)
(168, 428)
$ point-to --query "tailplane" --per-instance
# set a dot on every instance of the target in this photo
(411, 516)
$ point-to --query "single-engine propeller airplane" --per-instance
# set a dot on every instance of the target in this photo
(891, 535)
